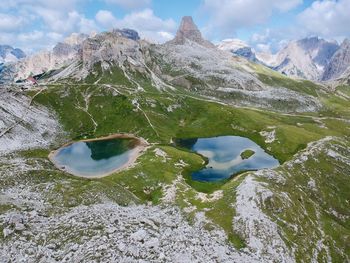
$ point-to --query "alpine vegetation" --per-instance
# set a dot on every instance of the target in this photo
(116, 147)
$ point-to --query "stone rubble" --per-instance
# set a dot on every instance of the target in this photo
(108, 232)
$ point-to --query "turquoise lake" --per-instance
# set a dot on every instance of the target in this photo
(224, 156)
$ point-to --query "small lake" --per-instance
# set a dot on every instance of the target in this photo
(97, 158)
(224, 156)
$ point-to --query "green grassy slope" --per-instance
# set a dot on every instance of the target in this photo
(88, 110)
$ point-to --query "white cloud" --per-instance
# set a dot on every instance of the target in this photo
(55, 36)
(32, 40)
(328, 18)
(157, 37)
(263, 48)
(106, 19)
(148, 25)
(58, 15)
(145, 20)
(166, 35)
(30, 36)
(226, 16)
(275, 38)
(130, 4)
(9, 22)
(66, 22)
(32, 4)
(37, 24)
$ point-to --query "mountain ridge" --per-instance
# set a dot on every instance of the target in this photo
(10, 54)
(339, 62)
(311, 58)
(115, 83)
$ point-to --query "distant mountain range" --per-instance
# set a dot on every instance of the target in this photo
(10, 54)
(310, 58)
(338, 65)
(114, 82)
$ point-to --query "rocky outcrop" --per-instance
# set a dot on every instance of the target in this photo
(63, 49)
(127, 33)
(189, 31)
(339, 63)
(108, 47)
(111, 48)
(116, 233)
(230, 79)
(23, 125)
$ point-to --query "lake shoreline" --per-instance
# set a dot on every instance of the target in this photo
(141, 146)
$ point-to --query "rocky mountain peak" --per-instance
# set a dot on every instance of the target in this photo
(188, 28)
(127, 33)
(346, 43)
(189, 31)
(339, 63)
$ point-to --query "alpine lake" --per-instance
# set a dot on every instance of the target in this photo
(225, 156)
(98, 157)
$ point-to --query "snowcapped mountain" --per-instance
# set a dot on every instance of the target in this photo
(339, 63)
(238, 47)
(10, 54)
(306, 58)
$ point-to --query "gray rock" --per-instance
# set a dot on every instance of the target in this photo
(339, 63)
(127, 33)
(7, 231)
(140, 235)
(189, 31)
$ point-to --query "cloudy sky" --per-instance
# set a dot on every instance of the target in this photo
(265, 24)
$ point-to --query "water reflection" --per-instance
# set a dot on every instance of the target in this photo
(224, 157)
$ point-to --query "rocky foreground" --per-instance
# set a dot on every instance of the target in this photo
(297, 212)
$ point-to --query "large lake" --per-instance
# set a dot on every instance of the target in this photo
(96, 158)
(224, 156)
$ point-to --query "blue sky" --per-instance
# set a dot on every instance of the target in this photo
(267, 25)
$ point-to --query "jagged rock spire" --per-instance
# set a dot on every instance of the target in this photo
(188, 30)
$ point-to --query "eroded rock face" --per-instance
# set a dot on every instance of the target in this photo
(61, 55)
(305, 58)
(339, 63)
(64, 49)
(110, 47)
(127, 33)
(188, 30)
(23, 125)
